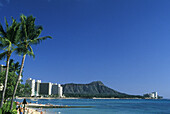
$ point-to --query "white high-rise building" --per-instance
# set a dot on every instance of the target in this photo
(60, 91)
(45, 88)
(55, 89)
(50, 88)
(37, 87)
(155, 95)
(31, 83)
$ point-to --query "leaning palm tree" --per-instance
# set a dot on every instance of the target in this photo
(9, 38)
(29, 36)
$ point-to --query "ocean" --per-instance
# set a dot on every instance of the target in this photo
(107, 106)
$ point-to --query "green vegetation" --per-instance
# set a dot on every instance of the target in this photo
(93, 89)
(9, 38)
(29, 35)
(54, 96)
(6, 108)
(22, 90)
(17, 37)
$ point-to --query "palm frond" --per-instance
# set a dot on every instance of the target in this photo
(5, 43)
(30, 51)
(17, 35)
(6, 23)
(13, 31)
(3, 55)
(23, 27)
(22, 17)
(36, 31)
(2, 31)
(29, 35)
(21, 50)
(30, 26)
(8, 47)
(38, 40)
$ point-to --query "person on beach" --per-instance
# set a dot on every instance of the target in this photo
(24, 102)
(21, 110)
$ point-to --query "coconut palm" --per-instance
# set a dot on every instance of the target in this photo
(29, 36)
(9, 38)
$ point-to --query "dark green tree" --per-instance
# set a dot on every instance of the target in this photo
(9, 38)
(10, 84)
(14, 67)
(22, 90)
(29, 36)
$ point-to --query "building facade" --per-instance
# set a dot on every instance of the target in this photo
(55, 89)
(31, 83)
(40, 89)
(60, 91)
(37, 87)
(45, 88)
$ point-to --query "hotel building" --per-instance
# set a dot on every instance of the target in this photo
(45, 88)
(153, 95)
(55, 89)
(31, 83)
(38, 88)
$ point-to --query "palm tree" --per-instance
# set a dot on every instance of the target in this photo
(29, 36)
(9, 38)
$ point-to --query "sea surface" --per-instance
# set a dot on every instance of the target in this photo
(107, 106)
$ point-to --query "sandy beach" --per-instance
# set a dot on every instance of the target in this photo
(31, 111)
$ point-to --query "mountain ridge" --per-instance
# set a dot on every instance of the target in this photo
(93, 89)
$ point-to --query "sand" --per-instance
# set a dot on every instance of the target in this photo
(32, 111)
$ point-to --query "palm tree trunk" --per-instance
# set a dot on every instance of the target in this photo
(18, 80)
(6, 79)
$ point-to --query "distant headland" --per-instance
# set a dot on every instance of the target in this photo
(95, 89)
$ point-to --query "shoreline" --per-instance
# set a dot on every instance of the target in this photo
(46, 98)
(33, 111)
(30, 110)
(36, 98)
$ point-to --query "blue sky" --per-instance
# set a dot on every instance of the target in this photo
(123, 43)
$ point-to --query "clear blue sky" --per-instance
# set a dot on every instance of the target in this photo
(123, 43)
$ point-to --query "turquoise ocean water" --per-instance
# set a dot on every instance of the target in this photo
(108, 106)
